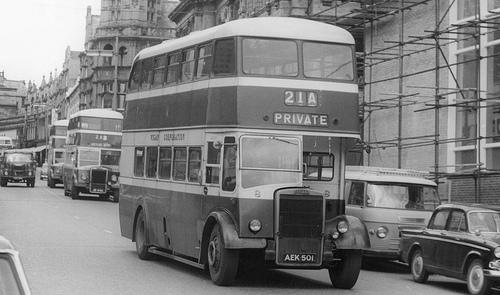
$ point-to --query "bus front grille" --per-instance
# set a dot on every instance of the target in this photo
(300, 216)
(98, 179)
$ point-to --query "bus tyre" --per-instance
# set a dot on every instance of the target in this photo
(417, 269)
(116, 196)
(344, 274)
(477, 282)
(74, 192)
(141, 246)
(222, 262)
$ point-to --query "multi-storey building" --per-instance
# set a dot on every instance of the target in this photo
(429, 75)
(112, 40)
(12, 95)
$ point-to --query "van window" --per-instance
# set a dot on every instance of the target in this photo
(356, 194)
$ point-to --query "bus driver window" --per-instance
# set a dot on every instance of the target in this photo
(229, 168)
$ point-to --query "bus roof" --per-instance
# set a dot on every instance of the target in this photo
(98, 113)
(273, 27)
(382, 174)
(63, 123)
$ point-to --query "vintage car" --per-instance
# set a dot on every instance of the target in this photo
(13, 280)
(44, 171)
(460, 241)
(17, 167)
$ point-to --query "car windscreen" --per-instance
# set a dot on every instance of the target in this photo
(9, 282)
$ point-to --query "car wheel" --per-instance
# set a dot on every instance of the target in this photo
(477, 283)
(417, 269)
(141, 246)
(344, 274)
(222, 262)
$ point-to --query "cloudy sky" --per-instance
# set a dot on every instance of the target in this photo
(34, 35)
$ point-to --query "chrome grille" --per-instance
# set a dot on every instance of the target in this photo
(98, 180)
(300, 216)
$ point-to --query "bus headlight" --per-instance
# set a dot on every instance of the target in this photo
(382, 232)
(497, 252)
(342, 227)
(254, 225)
(114, 178)
(84, 175)
(5, 172)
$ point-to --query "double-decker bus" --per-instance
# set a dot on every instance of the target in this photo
(229, 136)
(55, 152)
(5, 143)
(389, 200)
(93, 153)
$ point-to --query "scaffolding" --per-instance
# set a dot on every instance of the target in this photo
(466, 96)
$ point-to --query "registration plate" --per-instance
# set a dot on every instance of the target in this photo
(299, 258)
(98, 190)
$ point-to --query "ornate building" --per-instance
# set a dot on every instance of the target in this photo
(12, 95)
(112, 40)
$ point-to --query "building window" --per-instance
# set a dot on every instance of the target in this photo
(466, 111)
(465, 160)
(493, 4)
(493, 158)
(107, 60)
(466, 8)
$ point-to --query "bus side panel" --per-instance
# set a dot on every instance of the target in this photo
(127, 208)
(261, 209)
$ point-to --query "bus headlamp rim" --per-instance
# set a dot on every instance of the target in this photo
(342, 227)
(254, 225)
(382, 232)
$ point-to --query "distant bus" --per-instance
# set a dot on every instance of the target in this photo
(219, 127)
(388, 200)
(92, 156)
(55, 153)
(6, 143)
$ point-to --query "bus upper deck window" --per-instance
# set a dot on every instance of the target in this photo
(270, 57)
(173, 67)
(328, 61)
(224, 59)
(159, 70)
(147, 73)
(135, 77)
(204, 61)
(187, 68)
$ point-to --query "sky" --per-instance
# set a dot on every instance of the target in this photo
(34, 35)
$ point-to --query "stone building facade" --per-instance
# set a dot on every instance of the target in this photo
(112, 41)
(12, 95)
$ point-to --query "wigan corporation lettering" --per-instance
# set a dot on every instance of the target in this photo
(301, 119)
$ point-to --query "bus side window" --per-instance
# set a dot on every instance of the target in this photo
(187, 68)
(147, 73)
(151, 161)
(229, 168)
(134, 84)
(139, 162)
(165, 160)
(194, 164)
(356, 194)
(224, 59)
(180, 157)
(173, 66)
(159, 70)
(212, 169)
(204, 61)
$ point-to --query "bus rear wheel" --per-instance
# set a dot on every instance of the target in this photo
(344, 274)
(74, 193)
(222, 262)
(141, 247)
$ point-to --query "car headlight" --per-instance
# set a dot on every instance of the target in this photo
(255, 225)
(342, 227)
(382, 232)
(497, 252)
(114, 178)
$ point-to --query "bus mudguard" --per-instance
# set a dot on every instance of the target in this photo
(356, 236)
(230, 234)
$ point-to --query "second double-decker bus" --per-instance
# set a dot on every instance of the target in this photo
(93, 153)
(55, 152)
(6, 143)
(229, 134)
(389, 200)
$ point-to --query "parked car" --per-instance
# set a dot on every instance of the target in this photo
(13, 279)
(44, 171)
(460, 241)
(17, 167)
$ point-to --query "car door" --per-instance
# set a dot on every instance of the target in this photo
(454, 238)
(432, 241)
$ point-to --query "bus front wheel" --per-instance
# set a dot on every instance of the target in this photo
(344, 274)
(222, 262)
(141, 247)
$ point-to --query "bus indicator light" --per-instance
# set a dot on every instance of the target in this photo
(301, 119)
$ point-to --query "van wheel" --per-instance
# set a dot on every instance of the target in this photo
(344, 274)
(222, 262)
(418, 271)
(477, 283)
(141, 246)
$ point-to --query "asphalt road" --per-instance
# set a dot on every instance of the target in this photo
(75, 247)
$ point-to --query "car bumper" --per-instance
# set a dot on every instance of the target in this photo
(383, 254)
(493, 275)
